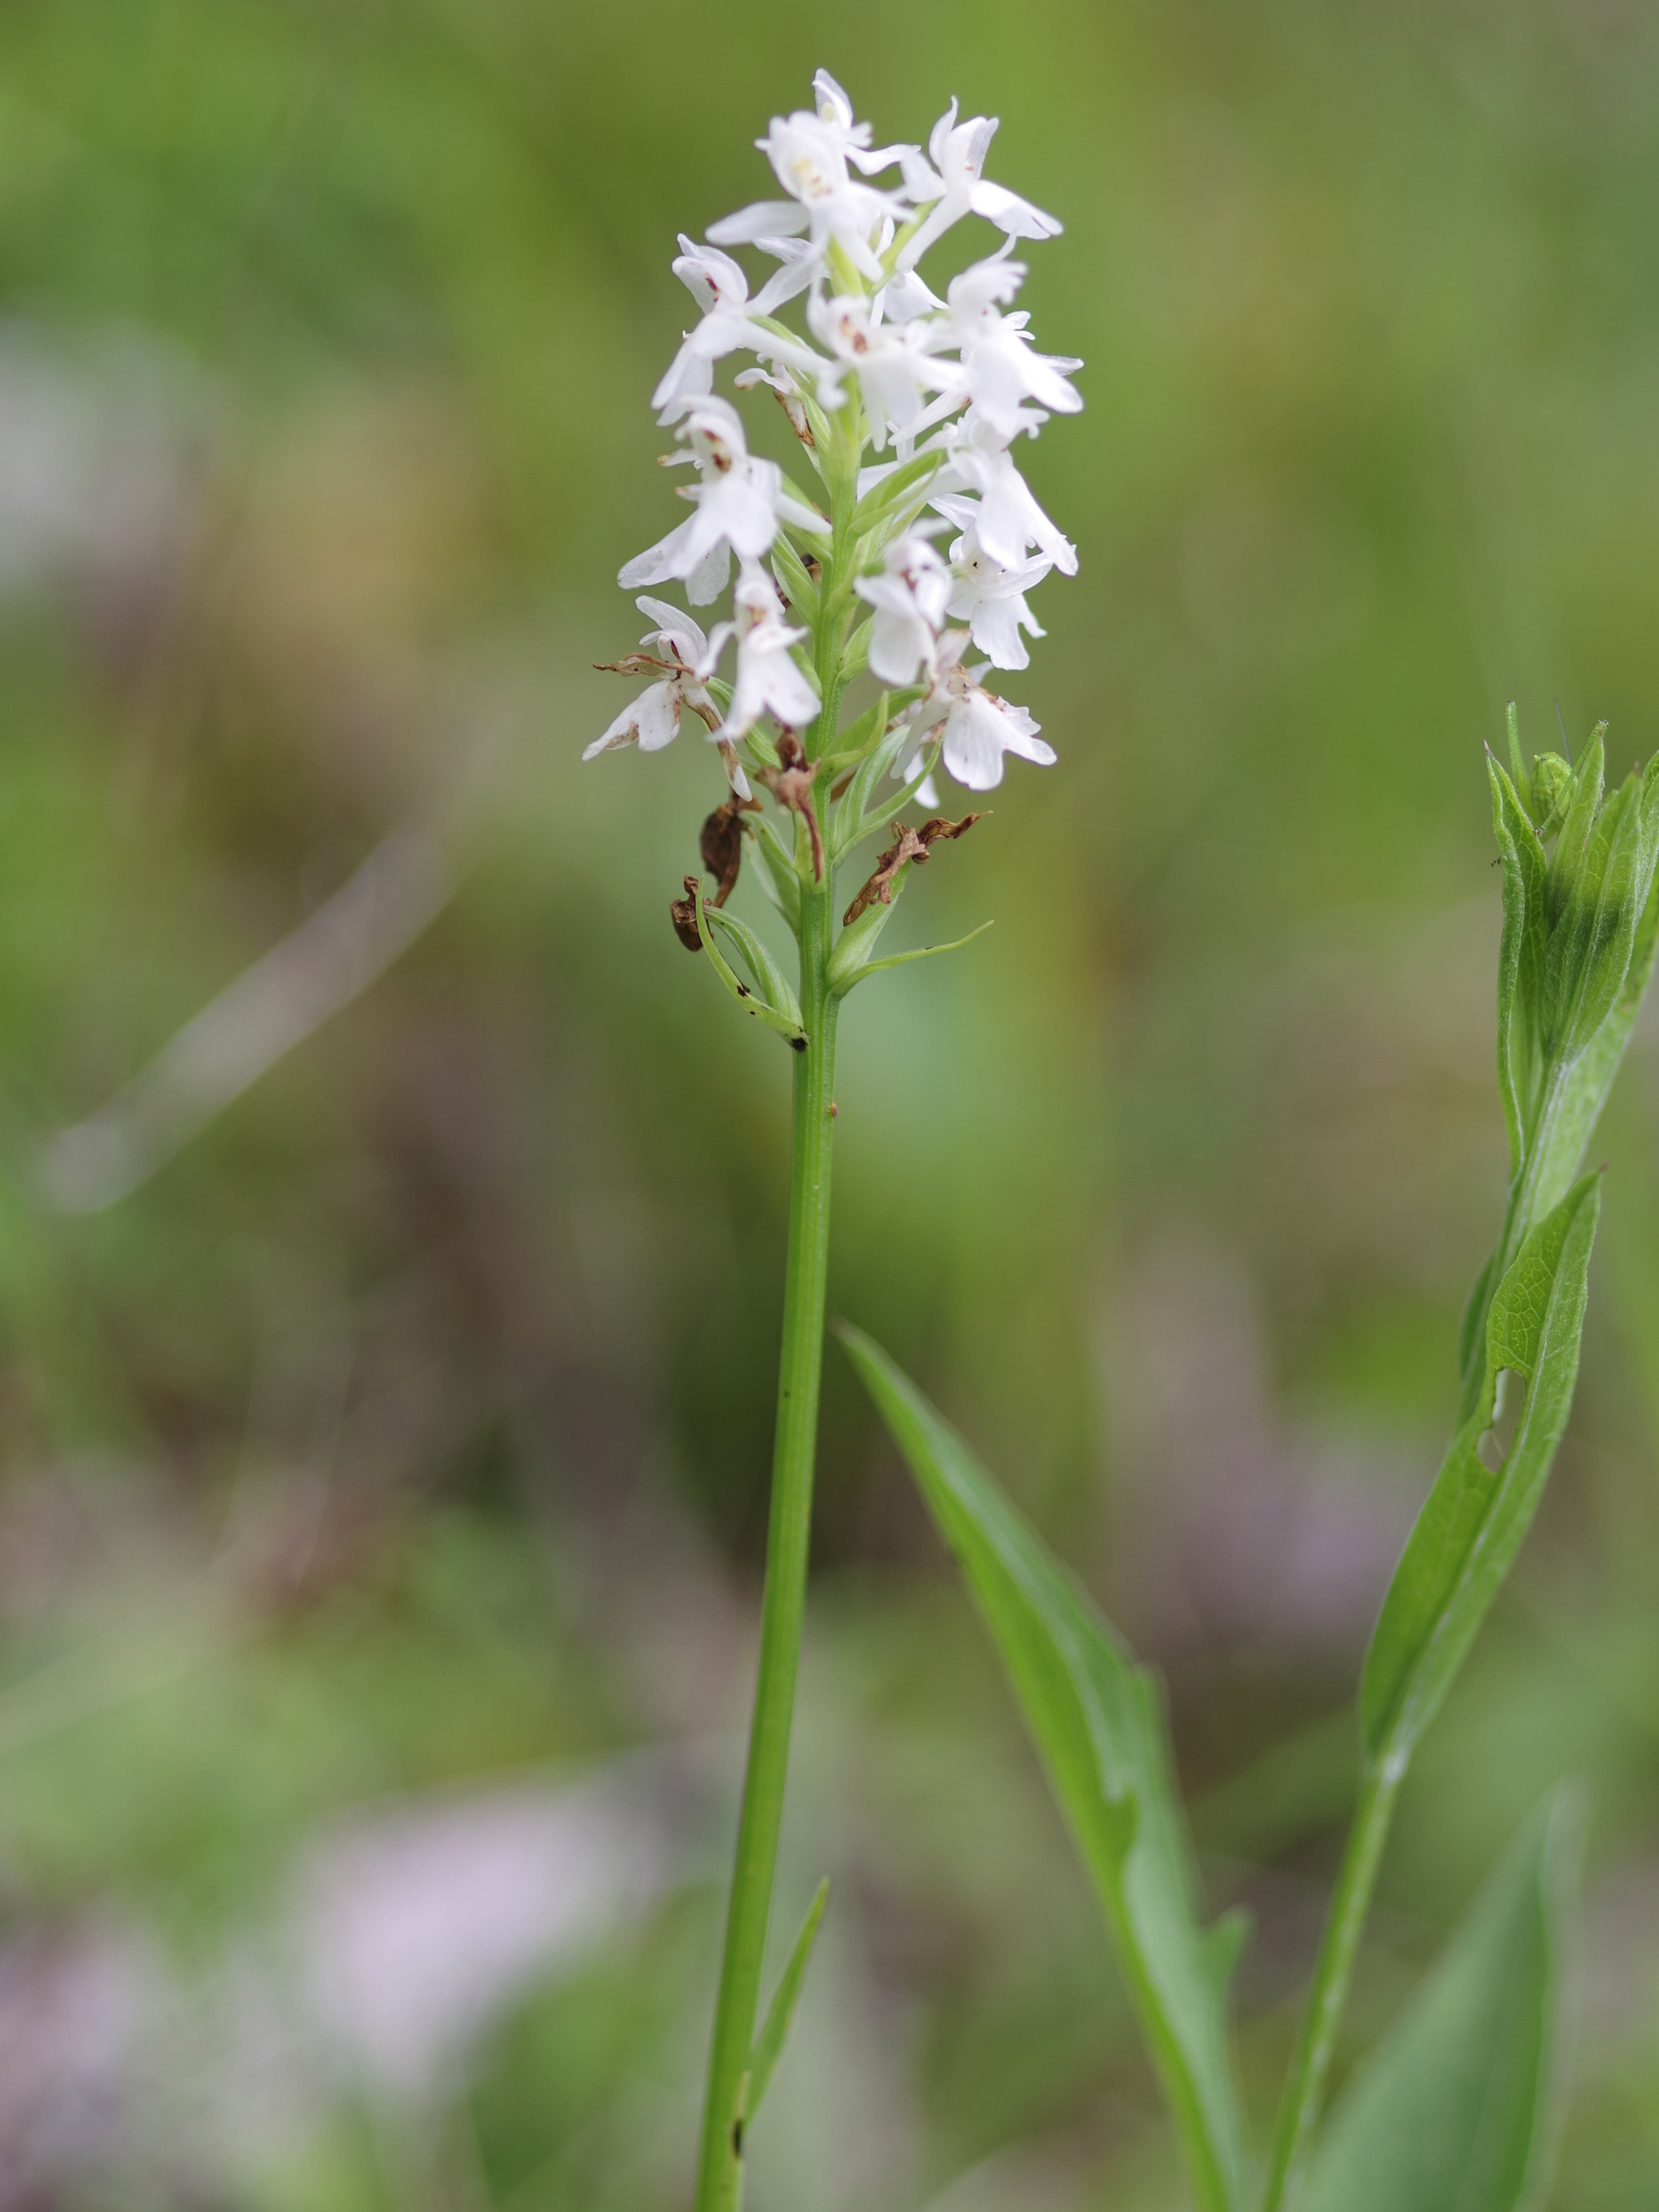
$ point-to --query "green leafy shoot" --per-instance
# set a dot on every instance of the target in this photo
(1488, 1490)
(780, 2013)
(1579, 932)
(1456, 2111)
(1098, 1725)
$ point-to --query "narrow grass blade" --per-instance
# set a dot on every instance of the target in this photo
(1456, 2111)
(1097, 1722)
(780, 2013)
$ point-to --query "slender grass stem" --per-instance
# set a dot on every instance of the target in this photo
(1304, 2091)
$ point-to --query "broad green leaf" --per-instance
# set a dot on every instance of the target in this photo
(780, 2013)
(1097, 1722)
(1484, 1495)
(1454, 2112)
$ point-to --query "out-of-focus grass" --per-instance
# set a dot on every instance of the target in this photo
(406, 1436)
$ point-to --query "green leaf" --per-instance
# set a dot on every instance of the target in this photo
(769, 2044)
(842, 982)
(899, 484)
(844, 829)
(1518, 774)
(1456, 2111)
(794, 581)
(1519, 961)
(854, 742)
(1581, 810)
(1627, 878)
(772, 1017)
(770, 981)
(853, 946)
(1477, 1514)
(1097, 1722)
(890, 809)
(779, 878)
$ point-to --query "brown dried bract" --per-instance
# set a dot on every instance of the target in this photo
(639, 664)
(791, 785)
(683, 912)
(908, 845)
(721, 844)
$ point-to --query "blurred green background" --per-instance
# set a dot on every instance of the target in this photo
(384, 1454)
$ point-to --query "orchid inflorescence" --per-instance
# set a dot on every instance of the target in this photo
(908, 407)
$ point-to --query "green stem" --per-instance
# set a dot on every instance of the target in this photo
(1305, 2089)
(719, 2177)
(783, 1605)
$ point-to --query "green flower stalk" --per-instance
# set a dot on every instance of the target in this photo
(904, 407)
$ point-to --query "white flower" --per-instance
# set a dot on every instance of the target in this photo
(991, 600)
(910, 599)
(979, 727)
(768, 678)
(739, 501)
(653, 720)
(895, 363)
(1006, 517)
(956, 187)
(722, 290)
(999, 366)
(809, 152)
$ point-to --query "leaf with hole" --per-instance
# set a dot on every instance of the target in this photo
(1484, 1497)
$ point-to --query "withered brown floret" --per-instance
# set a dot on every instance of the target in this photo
(908, 845)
